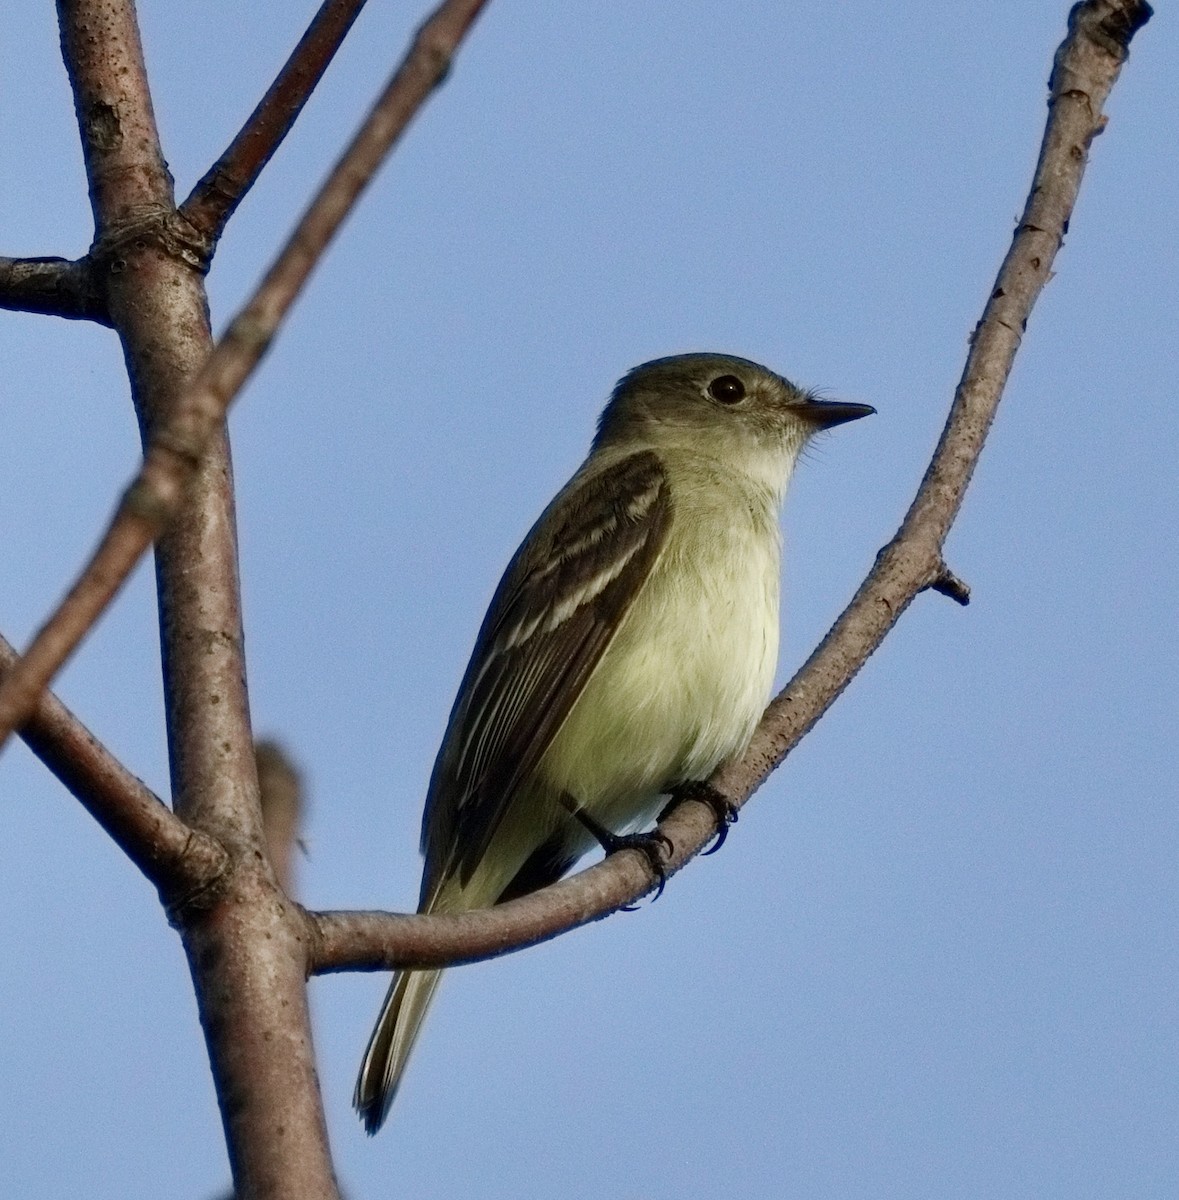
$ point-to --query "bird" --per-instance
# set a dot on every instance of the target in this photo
(628, 651)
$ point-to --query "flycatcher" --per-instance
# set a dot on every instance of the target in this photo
(629, 650)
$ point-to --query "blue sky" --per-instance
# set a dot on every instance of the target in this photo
(937, 957)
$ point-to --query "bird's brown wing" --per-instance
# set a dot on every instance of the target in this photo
(555, 611)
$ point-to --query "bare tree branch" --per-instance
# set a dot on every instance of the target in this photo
(54, 287)
(1086, 67)
(176, 445)
(223, 187)
(243, 943)
(381, 941)
(948, 584)
(178, 860)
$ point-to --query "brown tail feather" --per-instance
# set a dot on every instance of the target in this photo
(392, 1040)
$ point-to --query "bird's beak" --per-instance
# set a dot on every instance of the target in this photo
(828, 413)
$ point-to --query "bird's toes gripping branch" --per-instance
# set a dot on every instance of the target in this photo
(723, 809)
(656, 847)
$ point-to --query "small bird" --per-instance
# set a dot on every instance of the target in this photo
(628, 651)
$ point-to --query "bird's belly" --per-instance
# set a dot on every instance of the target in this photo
(680, 688)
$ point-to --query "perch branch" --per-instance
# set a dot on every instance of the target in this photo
(1085, 69)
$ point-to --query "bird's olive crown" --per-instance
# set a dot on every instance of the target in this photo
(696, 390)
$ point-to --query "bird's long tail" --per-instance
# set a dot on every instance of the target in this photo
(392, 1040)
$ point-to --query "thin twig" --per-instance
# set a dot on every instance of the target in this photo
(224, 186)
(948, 584)
(54, 287)
(1086, 67)
(174, 451)
(174, 857)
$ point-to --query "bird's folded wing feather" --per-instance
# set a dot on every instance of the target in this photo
(558, 606)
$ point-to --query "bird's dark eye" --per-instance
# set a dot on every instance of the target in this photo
(727, 389)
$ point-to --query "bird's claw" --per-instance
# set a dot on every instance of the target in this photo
(723, 809)
(726, 816)
(655, 847)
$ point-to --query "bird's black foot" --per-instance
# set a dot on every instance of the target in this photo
(725, 811)
(656, 847)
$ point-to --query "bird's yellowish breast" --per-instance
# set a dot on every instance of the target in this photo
(683, 683)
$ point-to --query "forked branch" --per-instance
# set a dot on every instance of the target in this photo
(174, 451)
(225, 184)
(178, 860)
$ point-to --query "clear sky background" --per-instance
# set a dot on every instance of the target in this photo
(938, 956)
